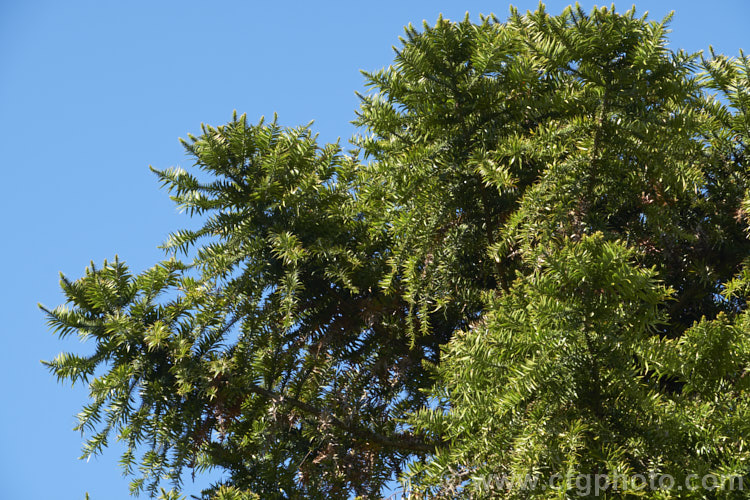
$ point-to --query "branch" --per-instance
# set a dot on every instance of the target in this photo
(403, 441)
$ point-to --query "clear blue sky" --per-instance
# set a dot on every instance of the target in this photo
(91, 93)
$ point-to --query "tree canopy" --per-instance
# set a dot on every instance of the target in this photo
(534, 260)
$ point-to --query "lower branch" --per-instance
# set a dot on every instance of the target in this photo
(402, 441)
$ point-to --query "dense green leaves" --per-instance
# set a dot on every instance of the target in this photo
(535, 262)
(555, 366)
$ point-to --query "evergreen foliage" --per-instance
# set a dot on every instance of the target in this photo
(535, 261)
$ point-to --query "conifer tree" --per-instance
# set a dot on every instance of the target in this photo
(534, 262)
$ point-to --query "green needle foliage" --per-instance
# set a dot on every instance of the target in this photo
(535, 262)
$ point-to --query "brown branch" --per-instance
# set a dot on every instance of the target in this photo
(403, 441)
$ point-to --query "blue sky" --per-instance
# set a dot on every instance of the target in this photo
(92, 93)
